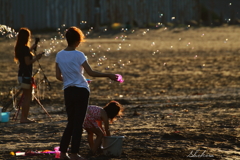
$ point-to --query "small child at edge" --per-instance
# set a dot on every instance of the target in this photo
(93, 122)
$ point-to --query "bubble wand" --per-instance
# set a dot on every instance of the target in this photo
(119, 79)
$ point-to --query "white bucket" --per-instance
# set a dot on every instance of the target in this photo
(112, 145)
(1, 114)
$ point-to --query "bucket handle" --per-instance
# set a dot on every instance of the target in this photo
(110, 144)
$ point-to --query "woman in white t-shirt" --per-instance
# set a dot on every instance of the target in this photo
(70, 64)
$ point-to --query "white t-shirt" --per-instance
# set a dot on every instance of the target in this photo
(70, 64)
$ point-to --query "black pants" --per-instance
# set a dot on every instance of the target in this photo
(76, 102)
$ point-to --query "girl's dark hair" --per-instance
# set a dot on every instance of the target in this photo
(74, 34)
(23, 39)
(113, 109)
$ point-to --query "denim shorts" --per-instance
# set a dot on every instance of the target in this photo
(20, 79)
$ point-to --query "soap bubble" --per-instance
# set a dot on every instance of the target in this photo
(153, 44)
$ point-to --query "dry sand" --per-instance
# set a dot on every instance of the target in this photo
(183, 83)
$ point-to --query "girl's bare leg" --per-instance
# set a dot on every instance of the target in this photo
(90, 138)
(26, 105)
(98, 141)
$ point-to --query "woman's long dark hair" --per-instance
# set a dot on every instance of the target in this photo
(23, 39)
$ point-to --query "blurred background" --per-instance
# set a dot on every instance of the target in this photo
(50, 14)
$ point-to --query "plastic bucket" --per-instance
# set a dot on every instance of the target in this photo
(1, 114)
(112, 145)
(5, 116)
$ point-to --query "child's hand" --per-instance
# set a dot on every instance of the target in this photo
(39, 56)
(113, 77)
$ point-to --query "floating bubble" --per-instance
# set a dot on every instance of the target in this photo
(158, 24)
(108, 49)
(47, 52)
(119, 48)
(153, 44)
(83, 22)
(121, 65)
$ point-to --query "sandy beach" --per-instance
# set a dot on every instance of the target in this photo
(180, 93)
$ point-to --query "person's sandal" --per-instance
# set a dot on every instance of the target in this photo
(64, 157)
(76, 157)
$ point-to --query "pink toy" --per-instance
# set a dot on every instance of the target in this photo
(120, 80)
(57, 152)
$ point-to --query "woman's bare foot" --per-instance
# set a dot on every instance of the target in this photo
(75, 156)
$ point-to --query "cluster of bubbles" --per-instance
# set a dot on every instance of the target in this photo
(97, 52)
(7, 31)
(49, 45)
